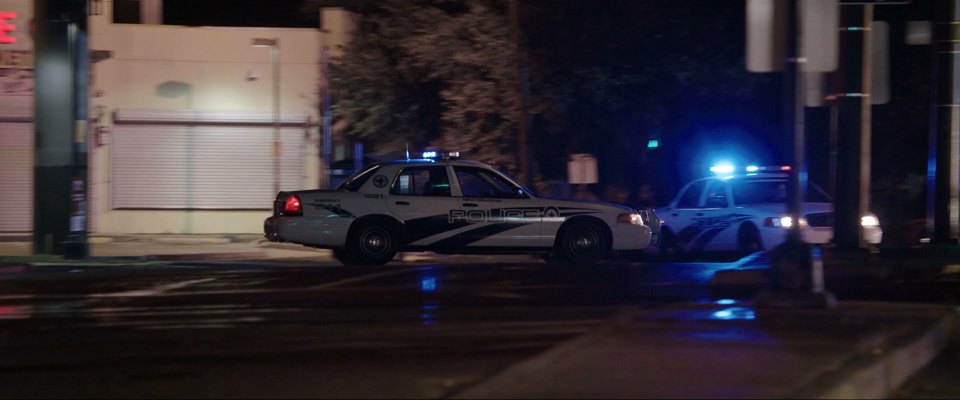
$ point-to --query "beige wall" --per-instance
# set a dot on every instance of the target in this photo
(17, 104)
(215, 62)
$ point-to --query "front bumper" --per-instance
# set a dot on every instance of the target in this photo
(631, 237)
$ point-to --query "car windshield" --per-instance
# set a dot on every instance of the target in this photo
(746, 192)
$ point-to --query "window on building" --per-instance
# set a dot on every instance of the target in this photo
(126, 11)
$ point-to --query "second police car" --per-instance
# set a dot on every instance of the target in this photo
(746, 213)
(448, 205)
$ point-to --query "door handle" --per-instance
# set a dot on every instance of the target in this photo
(470, 205)
(401, 203)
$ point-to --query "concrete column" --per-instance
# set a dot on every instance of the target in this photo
(60, 165)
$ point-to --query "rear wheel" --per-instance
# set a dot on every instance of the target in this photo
(372, 244)
(583, 242)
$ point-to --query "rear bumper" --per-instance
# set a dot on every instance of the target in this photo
(271, 230)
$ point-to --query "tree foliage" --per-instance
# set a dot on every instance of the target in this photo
(603, 76)
(431, 73)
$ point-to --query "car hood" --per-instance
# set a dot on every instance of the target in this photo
(775, 208)
(581, 203)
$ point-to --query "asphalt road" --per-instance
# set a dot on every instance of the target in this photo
(285, 329)
(305, 329)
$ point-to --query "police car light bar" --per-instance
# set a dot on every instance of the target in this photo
(722, 169)
(443, 155)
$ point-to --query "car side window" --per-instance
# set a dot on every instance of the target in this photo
(478, 182)
(691, 196)
(422, 181)
(716, 195)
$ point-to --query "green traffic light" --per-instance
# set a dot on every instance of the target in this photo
(653, 143)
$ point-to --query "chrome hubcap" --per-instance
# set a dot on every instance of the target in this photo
(375, 242)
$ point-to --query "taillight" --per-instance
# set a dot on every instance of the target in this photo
(292, 206)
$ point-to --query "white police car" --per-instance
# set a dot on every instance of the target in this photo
(746, 213)
(452, 206)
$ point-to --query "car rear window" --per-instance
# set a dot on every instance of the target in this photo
(355, 181)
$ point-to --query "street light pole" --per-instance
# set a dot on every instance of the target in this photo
(276, 115)
(274, 45)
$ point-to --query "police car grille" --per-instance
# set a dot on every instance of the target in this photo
(820, 220)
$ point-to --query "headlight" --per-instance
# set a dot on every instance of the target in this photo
(778, 222)
(868, 221)
(631, 218)
(782, 222)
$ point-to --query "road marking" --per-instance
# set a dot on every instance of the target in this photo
(364, 278)
(154, 291)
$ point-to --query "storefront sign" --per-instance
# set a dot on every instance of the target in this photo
(5, 28)
(16, 82)
(16, 58)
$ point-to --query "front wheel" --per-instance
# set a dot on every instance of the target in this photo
(583, 243)
(668, 249)
(372, 244)
(748, 240)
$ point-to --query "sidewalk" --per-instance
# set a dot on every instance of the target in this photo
(857, 350)
(181, 247)
(212, 247)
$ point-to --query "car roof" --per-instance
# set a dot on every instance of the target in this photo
(750, 177)
(421, 161)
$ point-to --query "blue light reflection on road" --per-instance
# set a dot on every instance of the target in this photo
(429, 284)
(734, 313)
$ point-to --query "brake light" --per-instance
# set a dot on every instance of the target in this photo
(292, 206)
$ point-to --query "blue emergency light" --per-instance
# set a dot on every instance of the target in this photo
(722, 169)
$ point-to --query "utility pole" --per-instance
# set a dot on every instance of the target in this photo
(943, 197)
(60, 162)
(796, 270)
(524, 166)
(853, 161)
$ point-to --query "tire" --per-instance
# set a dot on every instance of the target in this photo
(583, 242)
(372, 243)
(668, 249)
(748, 240)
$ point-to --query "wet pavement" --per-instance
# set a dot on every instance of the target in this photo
(294, 325)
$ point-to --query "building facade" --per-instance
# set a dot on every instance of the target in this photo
(189, 132)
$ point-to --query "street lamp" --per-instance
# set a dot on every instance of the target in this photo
(274, 45)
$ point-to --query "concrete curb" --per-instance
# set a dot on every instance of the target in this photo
(208, 256)
(873, 366)
(879, 374)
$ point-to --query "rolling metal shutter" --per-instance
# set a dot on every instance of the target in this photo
(16, 176)
(161, 160)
